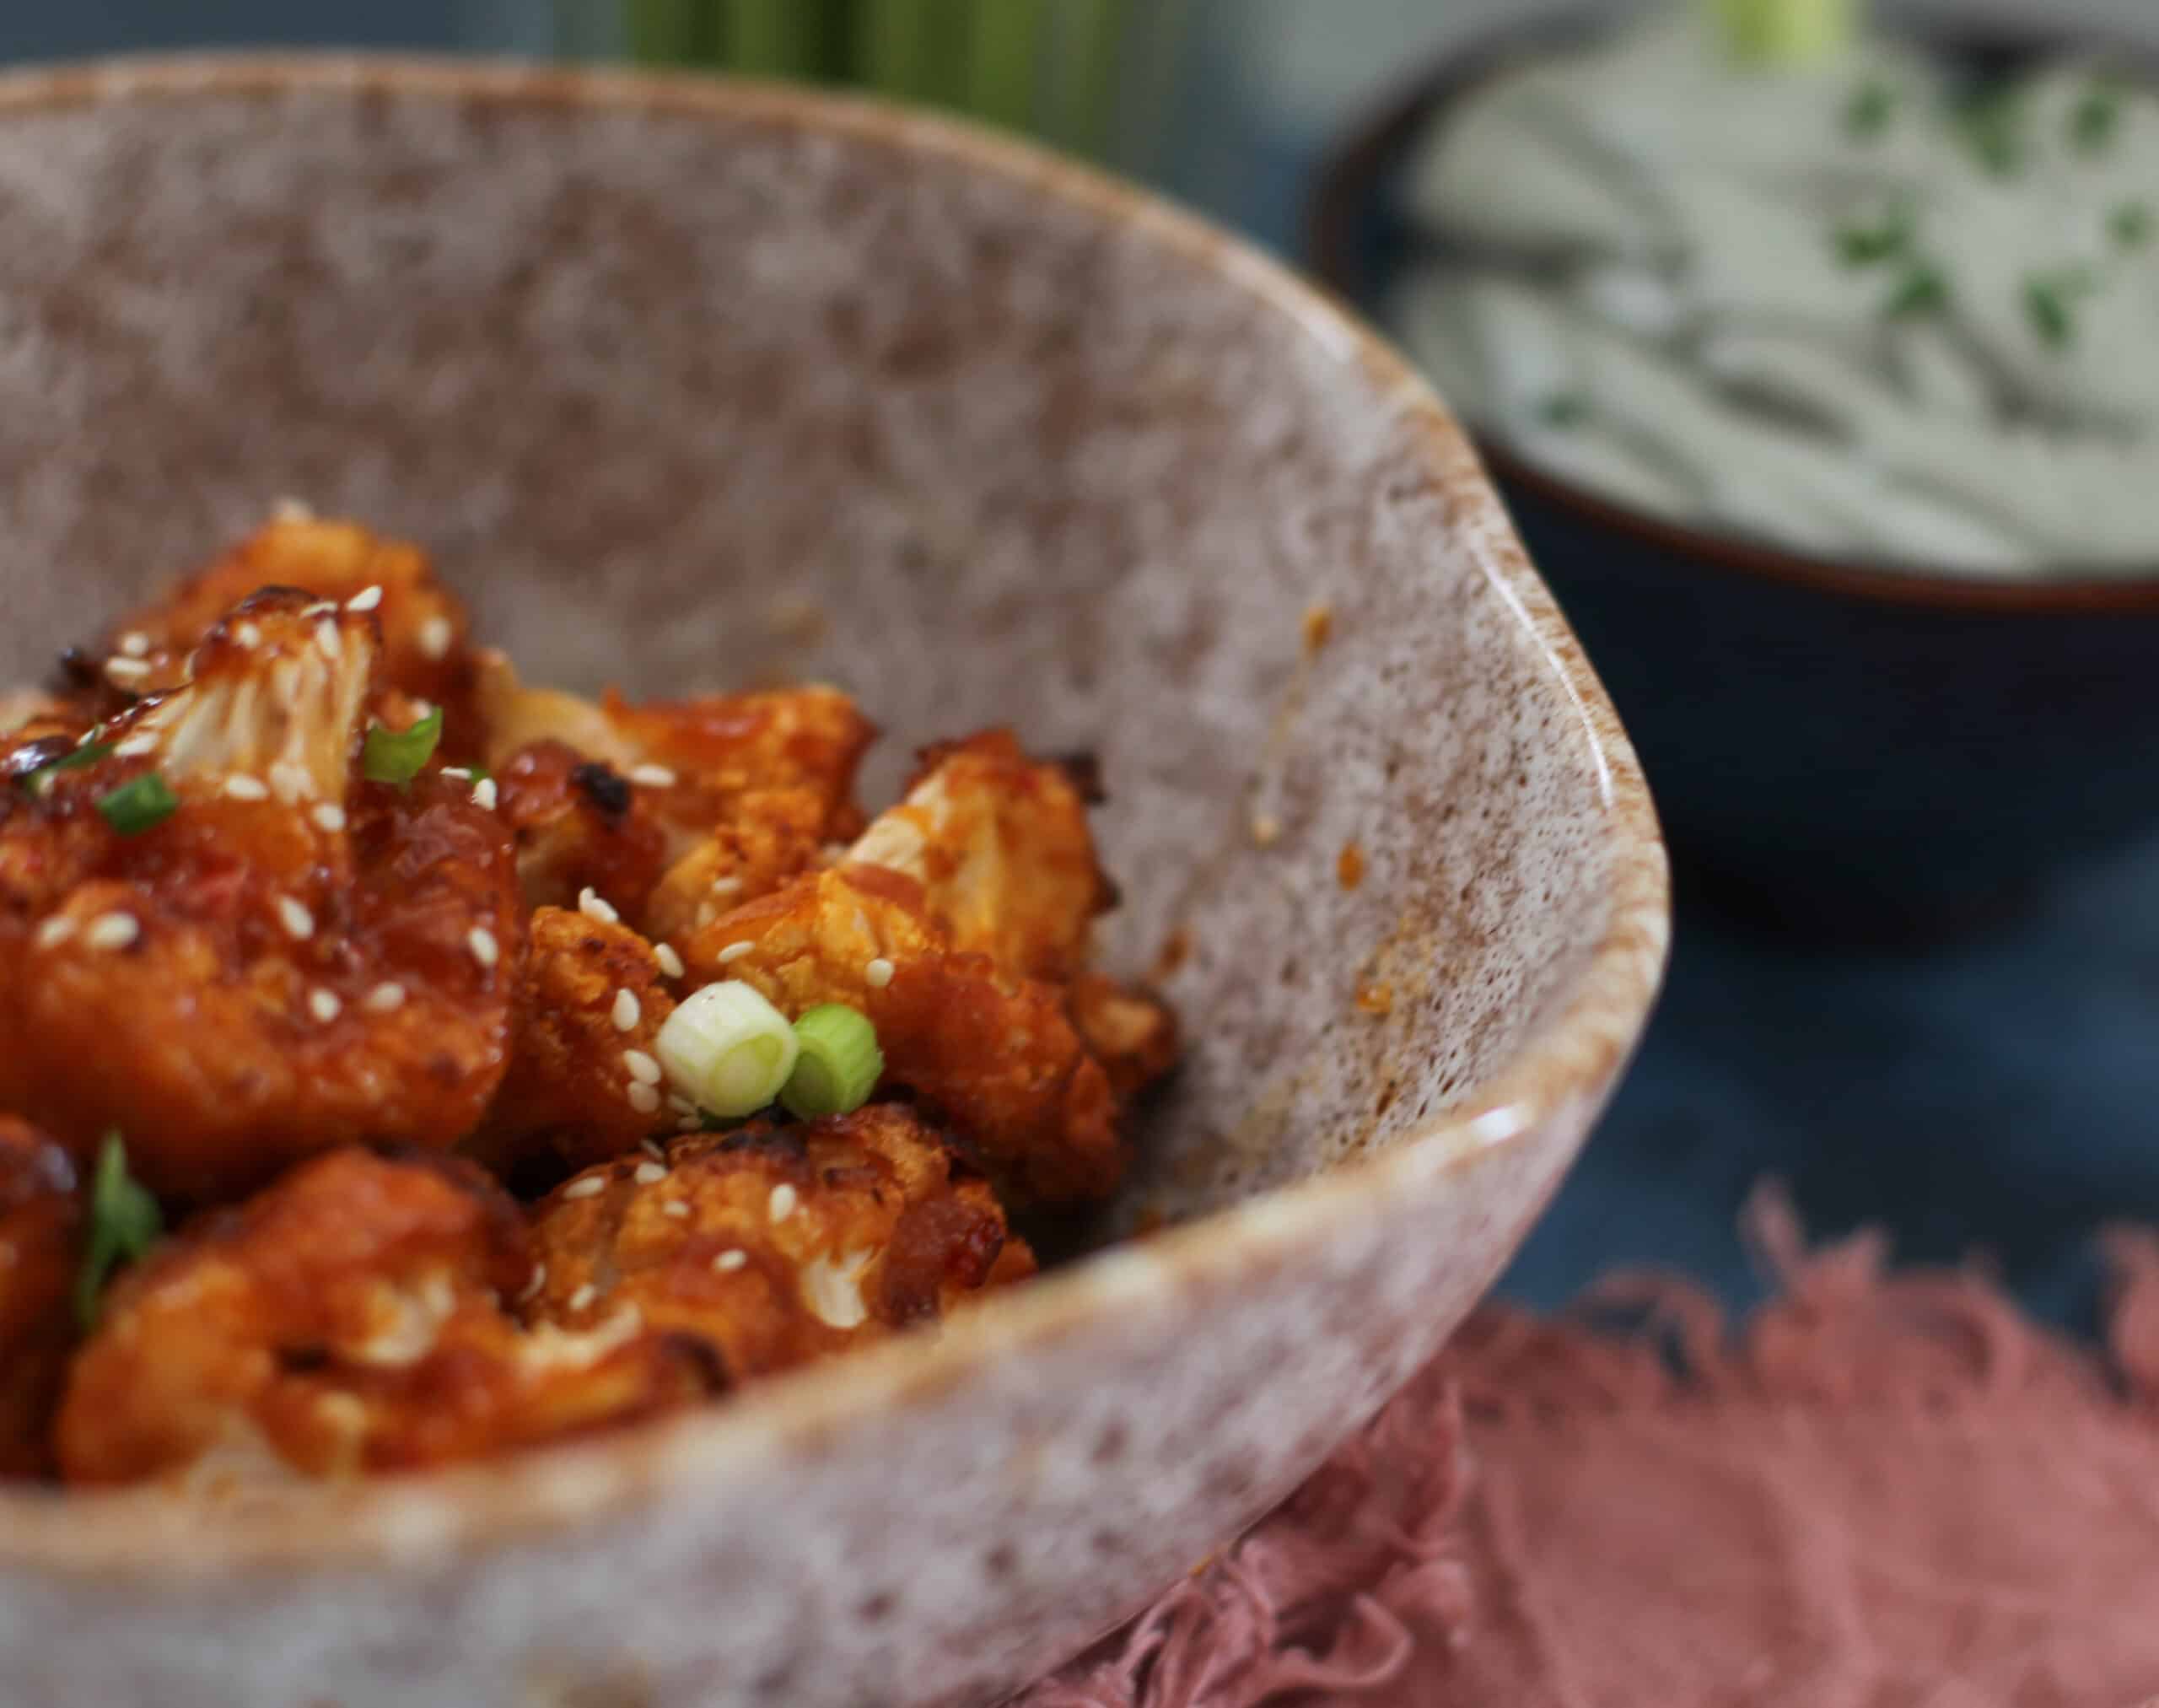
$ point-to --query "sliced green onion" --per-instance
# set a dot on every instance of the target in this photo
(40, 781)
(139, 804)
(727, 1049)
(2049, 303)
(2130, 224)
(124, 1221)
(839, 1064)
(398, 755)
(1563, 409)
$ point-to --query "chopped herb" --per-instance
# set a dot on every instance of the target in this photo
(139, 804)
(1862, 242)
(2130, 224)
(727, 1049)
(1868, 112)
(1922, 289)
(2048, 304)
(398, 755)
(124, 1221)
(2095, 119)
(1563, 409)
(40, 781)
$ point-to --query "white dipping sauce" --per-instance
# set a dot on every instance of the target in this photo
(1843, 307)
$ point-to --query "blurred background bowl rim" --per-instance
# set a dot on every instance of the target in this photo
(1357, 168)
(139, 1537)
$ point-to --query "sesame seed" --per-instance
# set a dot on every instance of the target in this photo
(126, 670)
(113, 931)
(590, 1187)
(327, 641)
(247, 635)
(643, 1068)
(365, 599)
(878, 973)
(627, 1010)
(293, 916)
(292, 510)
(436, 635)
(590, 904)
(483, 794)
(135, 747)
(387, 998)
(533, 1286)
(731, 1259)
(423, 709)
(781, 1204)
(652, 776)
(650, 1173)
(482, 942)
(329, 817)
(321, 607)
(734, 950)
(289, 781)
(54, 931)
(585, 1294)
(652, 1149)
(643, 1098)
(688, 1123)
(247, 789)
(324, 1005)
(679, 1104)
(670, 963)
(726, 886)
(1266, 829)
(456, 773)
(135, 644)
(676, 1208)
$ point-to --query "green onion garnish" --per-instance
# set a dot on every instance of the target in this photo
(139, 804)
(727, 1049)
(398, 755)
(2130, 224)
(1867, 113)
(1563, 409)
(839, 1063)
(1783, 32)
(124, 1221)
(1921, 290)
(40, 781)
(1993, 124)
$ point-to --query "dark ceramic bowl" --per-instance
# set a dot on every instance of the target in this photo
(1858, 749)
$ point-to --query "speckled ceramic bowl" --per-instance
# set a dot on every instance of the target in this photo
(691, 383)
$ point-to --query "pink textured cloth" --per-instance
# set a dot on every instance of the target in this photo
(1890, 1491)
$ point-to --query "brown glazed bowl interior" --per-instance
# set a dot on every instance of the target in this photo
(1845, 750)
(691, 383)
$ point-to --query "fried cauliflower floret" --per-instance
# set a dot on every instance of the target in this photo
(997, 1056)
(778, 1245)
(693, 760)
(588, 1012)
(1130, 1032)
(350, 1318)
(578, 825)
(999, 844)
(773, 837)
(423, 627)
(40, 1249)
(292, 959)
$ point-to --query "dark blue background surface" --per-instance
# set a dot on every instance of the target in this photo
(1993, 1097)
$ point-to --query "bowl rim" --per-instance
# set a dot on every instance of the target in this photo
(1352, 173)
(116, 1539)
